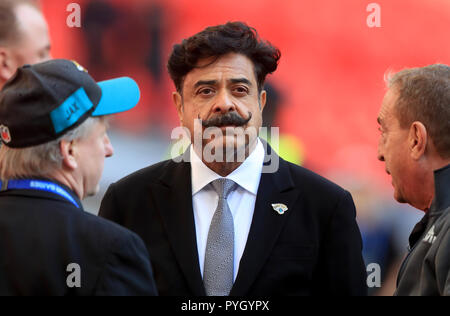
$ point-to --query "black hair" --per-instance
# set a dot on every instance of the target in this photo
(216, 41)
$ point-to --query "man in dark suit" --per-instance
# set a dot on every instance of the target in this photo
(53, 127)
(229, 217)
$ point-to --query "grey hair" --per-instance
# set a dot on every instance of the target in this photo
(41, 160)
(424, 96)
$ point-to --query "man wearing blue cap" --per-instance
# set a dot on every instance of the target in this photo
(53, 128)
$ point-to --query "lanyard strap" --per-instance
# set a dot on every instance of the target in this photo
(38, 185)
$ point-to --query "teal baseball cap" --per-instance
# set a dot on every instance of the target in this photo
(42, 102)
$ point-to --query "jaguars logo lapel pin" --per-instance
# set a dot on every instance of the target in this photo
(279, 208)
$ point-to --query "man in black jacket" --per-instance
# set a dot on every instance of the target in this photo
(230, 217)
(53, 127)
(415, 146)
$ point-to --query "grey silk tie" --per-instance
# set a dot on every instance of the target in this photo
(219, 256)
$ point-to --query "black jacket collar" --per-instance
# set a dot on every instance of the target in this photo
(442, 186)
(440, 203)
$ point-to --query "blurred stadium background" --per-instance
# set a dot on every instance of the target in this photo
(324, 97)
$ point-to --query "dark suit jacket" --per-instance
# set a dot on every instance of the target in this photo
(41, 234)
(314, 248)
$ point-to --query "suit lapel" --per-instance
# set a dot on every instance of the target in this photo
(174, 203)
(266, 225)
(173, 198)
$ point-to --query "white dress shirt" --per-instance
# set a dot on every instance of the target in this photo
(241, 201)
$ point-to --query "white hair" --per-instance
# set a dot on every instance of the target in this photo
(41, 160)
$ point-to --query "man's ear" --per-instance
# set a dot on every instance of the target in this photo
(67, 149)
(7, 65)
(417, 140)
(178, 101)
(262, 99)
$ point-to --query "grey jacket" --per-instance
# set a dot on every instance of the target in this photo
(426, 269)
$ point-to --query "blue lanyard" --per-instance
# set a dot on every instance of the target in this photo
(38, 185)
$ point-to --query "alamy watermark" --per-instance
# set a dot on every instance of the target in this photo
(374, 275)
(74, 18)
(374, 18)
(74, 277)
(373, 280)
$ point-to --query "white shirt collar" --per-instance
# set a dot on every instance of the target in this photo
(247, 175)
